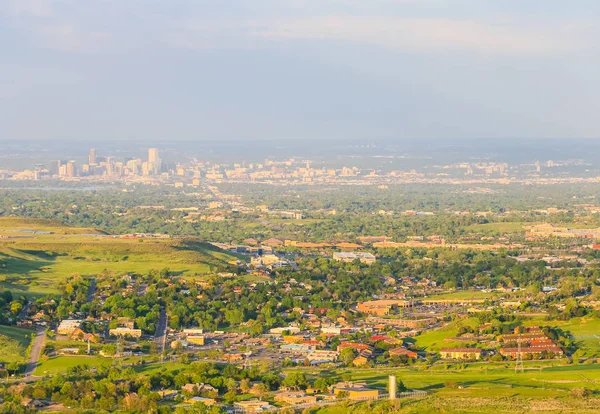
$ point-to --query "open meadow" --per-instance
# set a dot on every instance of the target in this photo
(479, 387)
(36, 255)
(13, 343)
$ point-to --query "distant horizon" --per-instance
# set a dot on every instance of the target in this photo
(365, 141)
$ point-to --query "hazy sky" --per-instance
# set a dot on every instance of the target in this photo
(249, 69)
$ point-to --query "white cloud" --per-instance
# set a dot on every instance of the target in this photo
(421, 34)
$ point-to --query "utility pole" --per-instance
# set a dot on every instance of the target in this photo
(519, 363)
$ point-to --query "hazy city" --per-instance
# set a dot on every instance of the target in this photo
(316, 207)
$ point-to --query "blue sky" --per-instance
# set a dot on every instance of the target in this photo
(301, 69)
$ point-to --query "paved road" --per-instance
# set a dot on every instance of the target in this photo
(161, 330)
(24, 311)
(91, 291)
(36, 350)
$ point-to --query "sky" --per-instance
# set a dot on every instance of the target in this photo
(299, 69)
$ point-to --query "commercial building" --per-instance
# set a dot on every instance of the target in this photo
(253, 406)
(323, 356)
(382, 307)
(68, 326)
(460, 353)
(126, 332)
(92, 158)
(195, 339)
(349, 257)
(295, 397)
(402, 323)
(534, 351)
(355, 391)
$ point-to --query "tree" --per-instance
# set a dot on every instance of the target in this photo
(245, 385)
(260, 390)
(16, 306)
(295, 380)
(347, 356)
(109, 349)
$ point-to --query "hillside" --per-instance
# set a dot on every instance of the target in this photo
(35, 255)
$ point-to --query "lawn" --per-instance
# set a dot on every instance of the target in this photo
(434, 340)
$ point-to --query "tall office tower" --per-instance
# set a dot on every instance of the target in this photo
(110, 166)
(152, 154)
(55, 167)
(92, 158)
(154, 161)
(134, 166)
(70, 170)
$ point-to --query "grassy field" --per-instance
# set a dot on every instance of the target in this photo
(33, 264)
(18, 226)
(585, 331)
(21, 335)
(468, 405)
(466, 294)
(494, 382)
(13, 343)
(514, 227)
(432, 341)
(497, 228)
(60, 364)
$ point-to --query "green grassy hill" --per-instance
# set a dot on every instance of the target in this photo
(13, 343)
(34, 263)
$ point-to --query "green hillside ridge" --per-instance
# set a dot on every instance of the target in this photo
(34, 264)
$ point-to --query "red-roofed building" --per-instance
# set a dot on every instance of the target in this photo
(354, 345)
(401, 351)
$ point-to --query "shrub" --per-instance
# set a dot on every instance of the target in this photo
(451, 384)
(580, 392)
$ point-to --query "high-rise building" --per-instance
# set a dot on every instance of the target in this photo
(55, 167)
(110, 166)
(153, 155)
(92, 158)
(134, 166)
(154, 161)
(68, 169)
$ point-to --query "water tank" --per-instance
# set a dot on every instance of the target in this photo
(392, 387)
